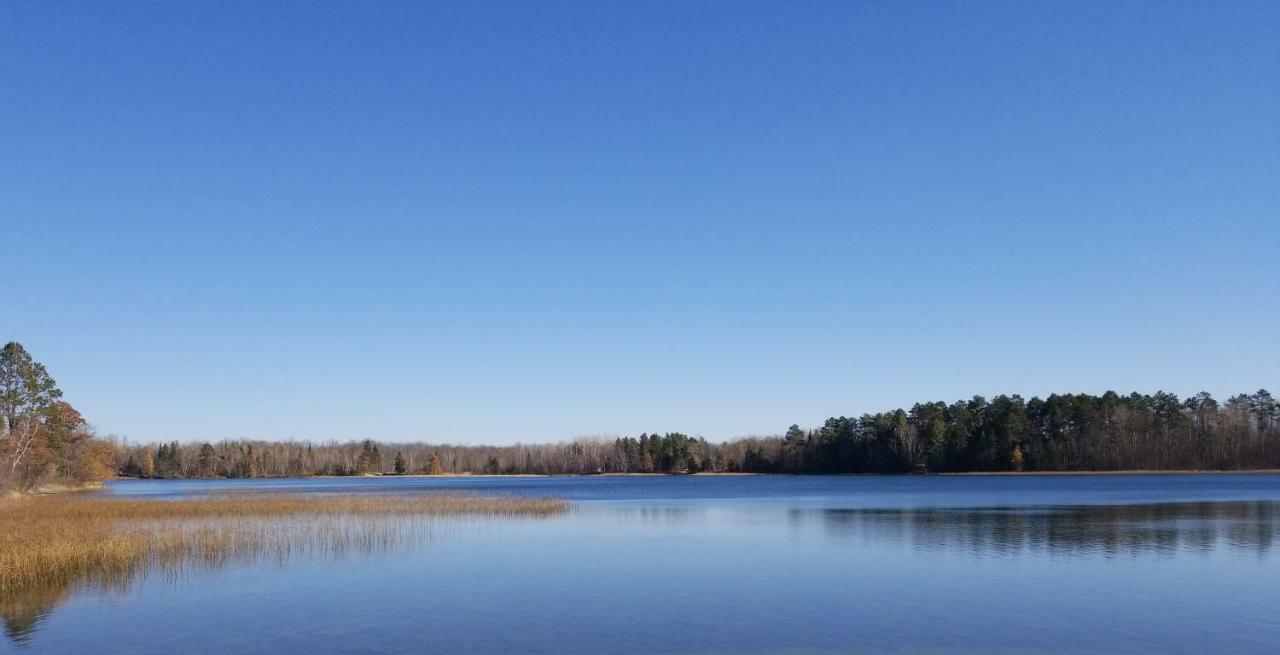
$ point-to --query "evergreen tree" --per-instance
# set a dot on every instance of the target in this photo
(207, 460)
(368, 460)
(25, 385)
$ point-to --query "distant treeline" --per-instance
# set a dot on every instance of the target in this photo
(1071, 432)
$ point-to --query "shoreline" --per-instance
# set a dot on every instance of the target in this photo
(468, 475)
(56, 488)
(59, 488)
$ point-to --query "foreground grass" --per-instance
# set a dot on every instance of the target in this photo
(53, 542)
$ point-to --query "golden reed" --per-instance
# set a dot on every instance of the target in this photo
(54, 541)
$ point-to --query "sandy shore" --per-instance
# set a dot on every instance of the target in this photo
(50, 488)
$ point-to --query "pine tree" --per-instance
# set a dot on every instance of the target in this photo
(369, 459)
(25, 385)
(207, 460)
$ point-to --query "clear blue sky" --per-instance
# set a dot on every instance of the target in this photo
(491, 222)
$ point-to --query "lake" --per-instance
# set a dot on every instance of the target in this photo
(745, 564)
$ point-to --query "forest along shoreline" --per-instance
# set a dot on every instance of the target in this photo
(47, 446)
(702, 474)
(1071, 433)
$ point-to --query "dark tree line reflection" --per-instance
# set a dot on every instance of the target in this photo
(1106, 530)
(1160, 529)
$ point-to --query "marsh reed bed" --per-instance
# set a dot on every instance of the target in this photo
(57, 541)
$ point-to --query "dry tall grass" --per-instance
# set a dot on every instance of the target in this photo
(55, 541)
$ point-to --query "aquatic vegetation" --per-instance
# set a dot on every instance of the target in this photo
(53, 541)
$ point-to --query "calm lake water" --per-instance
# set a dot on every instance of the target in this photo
(1055, 564)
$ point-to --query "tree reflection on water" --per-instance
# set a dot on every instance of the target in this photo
(1106, 530)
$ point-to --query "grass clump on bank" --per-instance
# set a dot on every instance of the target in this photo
(56, 541)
